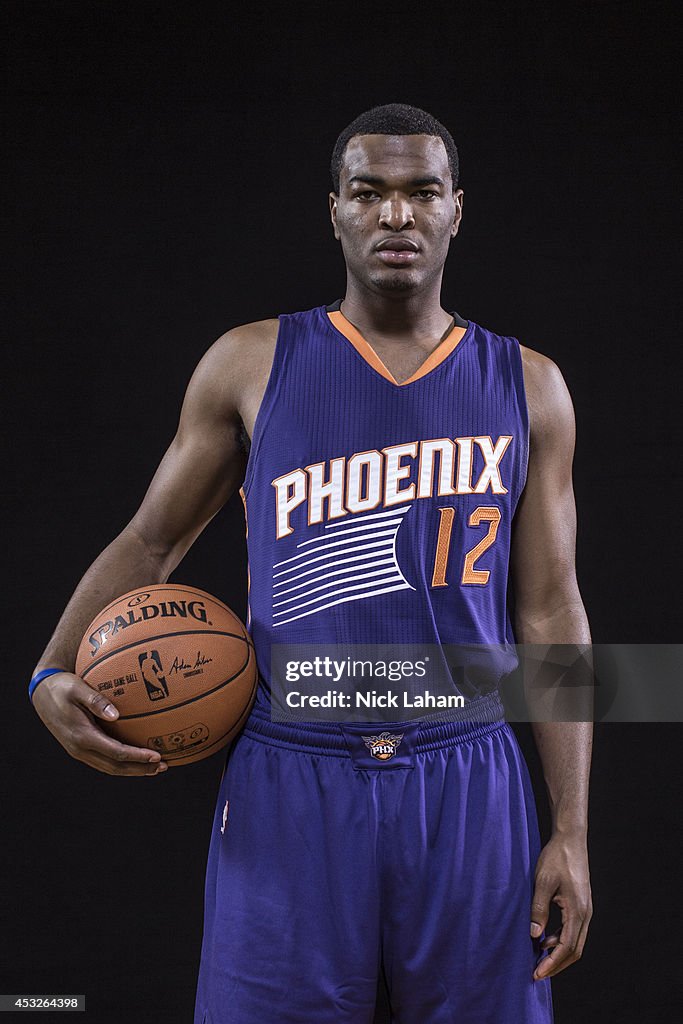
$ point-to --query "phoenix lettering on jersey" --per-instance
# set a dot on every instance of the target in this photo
(367, 480)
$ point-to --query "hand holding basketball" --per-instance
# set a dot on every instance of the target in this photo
(180, 665)
(70, 709)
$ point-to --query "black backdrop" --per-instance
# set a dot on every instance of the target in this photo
(168, 181)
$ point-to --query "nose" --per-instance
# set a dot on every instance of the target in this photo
(396, 213)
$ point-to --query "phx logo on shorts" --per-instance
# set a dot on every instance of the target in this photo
(384, 746)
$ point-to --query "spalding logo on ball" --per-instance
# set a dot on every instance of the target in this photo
(178, 665)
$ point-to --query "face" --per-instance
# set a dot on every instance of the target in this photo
(396, 211)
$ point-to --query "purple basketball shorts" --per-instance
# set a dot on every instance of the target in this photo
(338, 853)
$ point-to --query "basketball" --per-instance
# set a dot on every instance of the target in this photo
(178, 665)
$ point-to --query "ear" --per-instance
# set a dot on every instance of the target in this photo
(458, 196)
(333, 197)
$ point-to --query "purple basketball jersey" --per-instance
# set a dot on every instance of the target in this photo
(380, 512)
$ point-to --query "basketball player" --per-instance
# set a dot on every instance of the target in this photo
(388, 416)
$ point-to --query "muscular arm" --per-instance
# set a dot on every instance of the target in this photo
(549, 610)
(201, 469)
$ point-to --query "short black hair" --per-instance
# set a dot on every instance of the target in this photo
(394, 119)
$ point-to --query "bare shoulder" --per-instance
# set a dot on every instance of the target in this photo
(248, 344)
(231, 370)
(551, 411)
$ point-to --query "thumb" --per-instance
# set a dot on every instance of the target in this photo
(540, 908)
(96, 702)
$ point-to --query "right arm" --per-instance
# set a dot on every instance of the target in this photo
(202, 468)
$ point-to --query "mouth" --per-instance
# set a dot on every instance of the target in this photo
(397, 252)
(397, 257)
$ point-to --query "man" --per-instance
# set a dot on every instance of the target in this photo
(379, 425)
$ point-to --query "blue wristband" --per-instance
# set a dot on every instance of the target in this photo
(39, 676)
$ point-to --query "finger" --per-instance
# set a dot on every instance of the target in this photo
(583, 933)
(94, 701)
(564, 952)
(109, 767)
(551, 940)
(97, 742)
(540, 908)
(554, 940)
(89, 735)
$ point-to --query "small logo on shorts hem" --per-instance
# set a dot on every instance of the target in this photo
(225, 816)
(384, 746)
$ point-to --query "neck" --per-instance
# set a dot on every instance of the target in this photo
(396, 313)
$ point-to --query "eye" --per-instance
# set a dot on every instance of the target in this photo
(364, 195)
(427, 193)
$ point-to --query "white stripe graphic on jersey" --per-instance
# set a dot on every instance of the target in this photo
(314, 594)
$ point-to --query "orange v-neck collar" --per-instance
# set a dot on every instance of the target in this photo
(367, 352)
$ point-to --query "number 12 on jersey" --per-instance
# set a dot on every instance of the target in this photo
(483, 514)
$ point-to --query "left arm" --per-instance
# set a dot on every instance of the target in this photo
(549, 610)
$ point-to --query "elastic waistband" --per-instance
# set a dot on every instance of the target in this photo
(478, 718)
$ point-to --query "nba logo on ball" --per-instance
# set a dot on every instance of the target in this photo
(384, 746)
(153, 675)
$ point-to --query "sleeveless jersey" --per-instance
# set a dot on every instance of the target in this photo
(379, 512)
